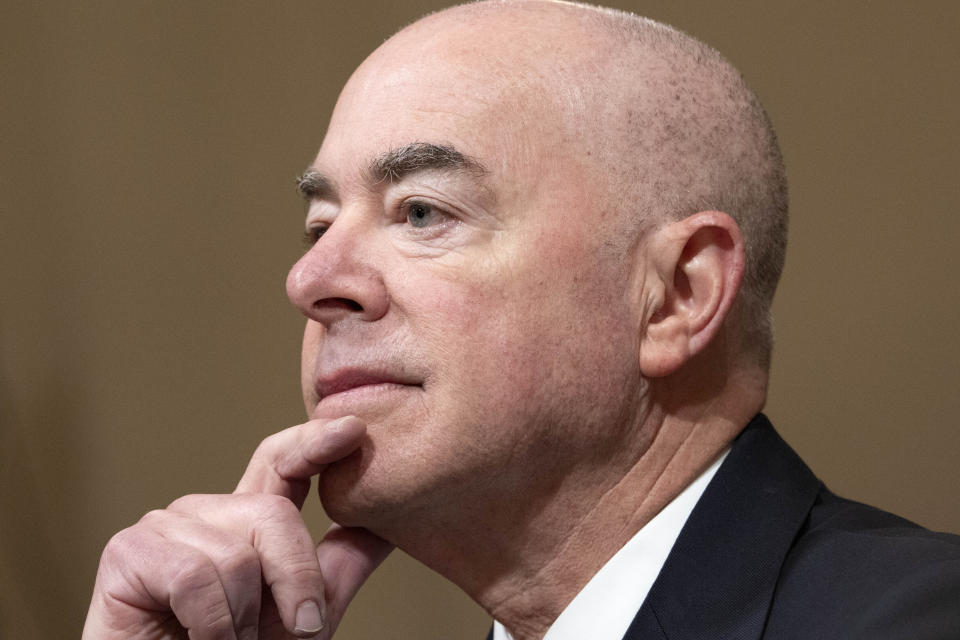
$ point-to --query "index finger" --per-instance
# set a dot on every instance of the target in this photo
(284, 462)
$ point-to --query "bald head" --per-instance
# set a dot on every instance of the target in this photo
(517, 220)
(663, 122)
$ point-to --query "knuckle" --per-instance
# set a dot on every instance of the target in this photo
(195, 574)
(218, 621)
(304, 573)
(267, 447)
(184, 503)
(239, 562)
(121, 546)
(274, 507)
(153, 518)
(200, 604)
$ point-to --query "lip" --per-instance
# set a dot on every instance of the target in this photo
(350, 378)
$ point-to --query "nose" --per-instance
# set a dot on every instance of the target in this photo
(337, 278)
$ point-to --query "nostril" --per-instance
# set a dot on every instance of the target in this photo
(334, 304)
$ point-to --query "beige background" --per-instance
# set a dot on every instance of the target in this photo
(148, 218)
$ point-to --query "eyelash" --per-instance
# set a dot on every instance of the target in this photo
(313, 234)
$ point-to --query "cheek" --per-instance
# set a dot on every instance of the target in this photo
(312, 337)
(524, 334)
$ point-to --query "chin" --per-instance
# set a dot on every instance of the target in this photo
(386, 476)
(358, 492)
(341, 489)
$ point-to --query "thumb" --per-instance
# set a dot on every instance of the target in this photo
(347, 556)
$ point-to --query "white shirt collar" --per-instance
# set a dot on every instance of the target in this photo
(607, 604)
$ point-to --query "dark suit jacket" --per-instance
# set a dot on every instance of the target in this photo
(769, 552)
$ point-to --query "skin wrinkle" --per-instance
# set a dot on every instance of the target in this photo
(436, 171)
(536, 337)
(585, 521)
(655, 465)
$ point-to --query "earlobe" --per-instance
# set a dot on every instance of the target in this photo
(698, 264)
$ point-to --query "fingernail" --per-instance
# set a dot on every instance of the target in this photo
(343, 421)
(309, 619)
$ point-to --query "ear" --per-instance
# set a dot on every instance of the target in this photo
(696, 267)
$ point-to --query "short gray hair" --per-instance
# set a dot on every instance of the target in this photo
(716, 149)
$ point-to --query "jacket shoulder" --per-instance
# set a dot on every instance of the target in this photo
(855, 571)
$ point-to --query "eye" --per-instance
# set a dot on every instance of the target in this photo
(421, 214)
(312, 234)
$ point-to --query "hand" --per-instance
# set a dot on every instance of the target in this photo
(240, 566)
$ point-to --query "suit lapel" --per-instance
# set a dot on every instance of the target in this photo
(719, 578)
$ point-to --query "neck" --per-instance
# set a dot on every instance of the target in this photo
(524, 557)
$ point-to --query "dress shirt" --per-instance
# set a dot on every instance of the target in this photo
(607, 604)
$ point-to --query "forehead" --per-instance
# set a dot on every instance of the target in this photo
(431, 86)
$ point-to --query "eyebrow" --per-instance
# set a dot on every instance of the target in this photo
(396, 164)
(313, 184)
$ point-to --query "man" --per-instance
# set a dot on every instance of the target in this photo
(545, 240)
